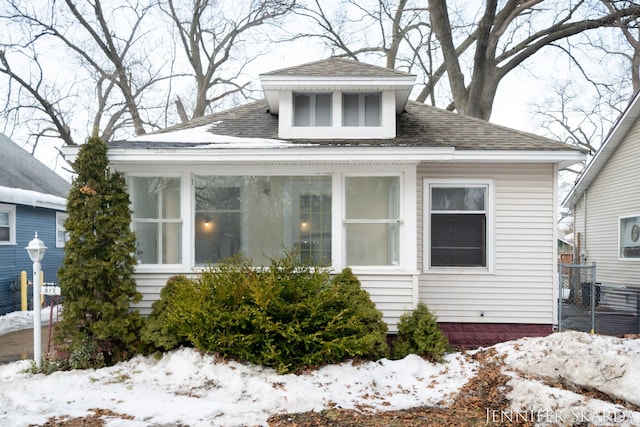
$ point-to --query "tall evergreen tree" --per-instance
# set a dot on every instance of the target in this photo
(96, 277)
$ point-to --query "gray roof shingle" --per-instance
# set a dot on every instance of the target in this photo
(337, 67)
(21, 170)
(420, 125)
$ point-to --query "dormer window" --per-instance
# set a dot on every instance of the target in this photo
(361, 109)
(312, 109)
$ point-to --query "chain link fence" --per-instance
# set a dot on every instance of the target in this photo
(588, 306)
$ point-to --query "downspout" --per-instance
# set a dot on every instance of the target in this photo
(583, 252)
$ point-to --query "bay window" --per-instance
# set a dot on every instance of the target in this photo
(156, 219)
(372, 220)
(458, 220)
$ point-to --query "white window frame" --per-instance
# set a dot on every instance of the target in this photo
(630, 237)
(361, 109)
(401, 262)
(185, 231)
(428, 183)
(61, 217)
(11, 210)
(313, 103)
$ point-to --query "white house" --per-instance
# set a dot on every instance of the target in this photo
(606, 203)
(421, 203)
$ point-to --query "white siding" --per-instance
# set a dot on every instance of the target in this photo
(615, 192)
(519, 288)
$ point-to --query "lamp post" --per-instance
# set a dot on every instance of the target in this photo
(36, 250)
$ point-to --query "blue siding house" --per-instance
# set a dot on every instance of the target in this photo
(32, 199)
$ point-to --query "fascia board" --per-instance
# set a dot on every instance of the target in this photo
(285, 83)
(334, 155)
(562, 158)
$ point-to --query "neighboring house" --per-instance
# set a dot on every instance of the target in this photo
(606, 203)
(421, 203)
(32, 199)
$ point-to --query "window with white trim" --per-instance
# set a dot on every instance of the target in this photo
(312, 109)
(259, 216)
(361, 109)
(372, 220)
(62, 236)
(156, 218)
(629, 237)
(7, 224)
(458, 222)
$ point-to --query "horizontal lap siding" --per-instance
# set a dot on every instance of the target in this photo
(615, 192)
(520, 288)
(392, 294)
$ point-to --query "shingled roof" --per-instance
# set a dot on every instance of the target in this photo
(420, 125)
(337, 67)
(20, 170)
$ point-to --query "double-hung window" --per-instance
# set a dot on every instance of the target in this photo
(61, 232)
(361, 109)
(458, 225)
(312, 109)
(7, 224)
(156, 219)
(372, 220)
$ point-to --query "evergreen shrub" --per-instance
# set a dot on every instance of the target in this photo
(290, 316)
(419, 333)
(96, 277)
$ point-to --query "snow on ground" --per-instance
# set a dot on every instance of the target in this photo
(19, 320)
(193, 389)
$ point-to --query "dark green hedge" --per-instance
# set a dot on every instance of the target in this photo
(289, 316)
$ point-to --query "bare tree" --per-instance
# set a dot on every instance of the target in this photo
(103, 43)
(354, 29)
(506, 38)
(210, 34)
(475, 51)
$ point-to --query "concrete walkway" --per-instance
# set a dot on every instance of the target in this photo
(18, 345)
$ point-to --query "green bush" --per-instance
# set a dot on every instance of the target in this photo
(419, 333)
(289, 316)
(96, 277)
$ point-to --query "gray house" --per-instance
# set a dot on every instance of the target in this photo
(32, 199)
(422, 204)
(606, 203)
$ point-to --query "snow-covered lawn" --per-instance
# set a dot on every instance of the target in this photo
(193, 389)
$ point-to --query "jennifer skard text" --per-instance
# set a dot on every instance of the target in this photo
(567, 417)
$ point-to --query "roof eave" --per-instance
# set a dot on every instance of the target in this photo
(617, 133)
(333, 154)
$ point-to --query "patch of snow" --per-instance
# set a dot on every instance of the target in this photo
(21, 196)
(202, 135)
(185, 386)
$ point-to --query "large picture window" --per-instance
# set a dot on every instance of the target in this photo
(458, 221)
(372, 220)
(260, 216)
(629, 237)
(156, 219)
(312, 109)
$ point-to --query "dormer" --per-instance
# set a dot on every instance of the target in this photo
(336, 99)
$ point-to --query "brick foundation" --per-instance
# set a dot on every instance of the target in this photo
(487, 334)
